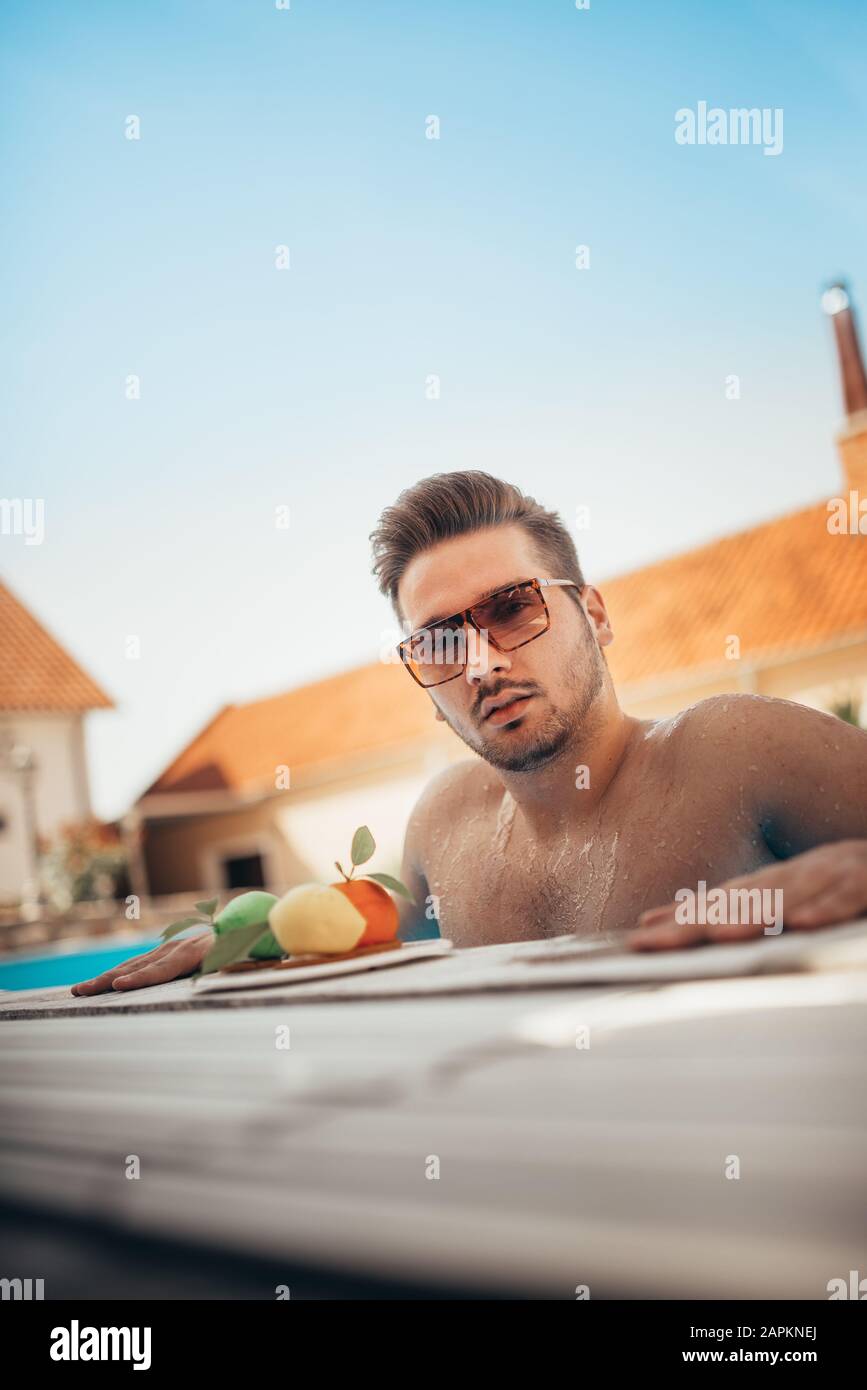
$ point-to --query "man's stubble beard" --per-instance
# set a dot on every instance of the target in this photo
(569, 728)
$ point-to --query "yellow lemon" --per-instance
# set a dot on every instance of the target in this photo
(314, 918)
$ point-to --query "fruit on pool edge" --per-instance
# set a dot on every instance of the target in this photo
(244, 911)
(376, 906)
(316, 918)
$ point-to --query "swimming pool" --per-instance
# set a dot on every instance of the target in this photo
(70, 962)
(67, 964)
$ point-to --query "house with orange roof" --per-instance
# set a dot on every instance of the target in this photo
(270, 792)
(44, 699)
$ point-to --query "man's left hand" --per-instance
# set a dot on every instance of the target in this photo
(820, 887)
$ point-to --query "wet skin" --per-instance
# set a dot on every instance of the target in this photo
(691, 802)
(736, 785)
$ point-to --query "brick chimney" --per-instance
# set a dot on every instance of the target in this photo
(852, 439)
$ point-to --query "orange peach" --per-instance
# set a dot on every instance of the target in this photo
(376, 906)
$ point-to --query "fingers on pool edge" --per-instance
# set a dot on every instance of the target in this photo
(97, 985)
(157, 973)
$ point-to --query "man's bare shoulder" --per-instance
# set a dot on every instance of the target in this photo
(751, 719)
(800, 772)
(779, 751)
(456, 792)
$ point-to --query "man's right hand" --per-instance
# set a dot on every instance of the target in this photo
(170, 961)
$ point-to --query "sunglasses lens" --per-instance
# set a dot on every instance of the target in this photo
(513, 617)
(437, 653)
(510, 618)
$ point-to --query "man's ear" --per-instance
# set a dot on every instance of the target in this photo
(594, 606)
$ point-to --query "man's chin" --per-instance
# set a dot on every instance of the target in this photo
(515, 749)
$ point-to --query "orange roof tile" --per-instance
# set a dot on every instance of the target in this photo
(781, 587)
(36, 672)
(373, 708)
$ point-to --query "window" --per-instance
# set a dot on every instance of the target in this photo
(246, 871)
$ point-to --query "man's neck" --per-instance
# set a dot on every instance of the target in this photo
(574, 785)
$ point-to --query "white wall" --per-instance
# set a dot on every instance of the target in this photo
(60, 784)
(319, 827)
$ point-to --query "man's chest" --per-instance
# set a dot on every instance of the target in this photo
(492, 881)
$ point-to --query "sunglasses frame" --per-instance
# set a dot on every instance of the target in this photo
(466, 616)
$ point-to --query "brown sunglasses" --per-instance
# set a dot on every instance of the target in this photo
(509, 618)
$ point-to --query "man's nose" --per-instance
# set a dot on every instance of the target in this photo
(482, 658)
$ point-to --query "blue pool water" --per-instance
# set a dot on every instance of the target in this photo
(66, 967)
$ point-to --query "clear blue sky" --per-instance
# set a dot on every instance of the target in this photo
(603, 387)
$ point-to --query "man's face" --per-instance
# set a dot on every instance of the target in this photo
(555, 679)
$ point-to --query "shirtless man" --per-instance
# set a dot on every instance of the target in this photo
(576, 817)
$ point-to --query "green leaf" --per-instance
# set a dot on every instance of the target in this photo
(363, 845)
(231, 946)
(177, 927)
(393, 883)
(209, 907)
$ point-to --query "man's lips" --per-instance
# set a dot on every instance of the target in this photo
(505, 707)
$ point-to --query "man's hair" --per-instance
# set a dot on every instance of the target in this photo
(456, 504)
